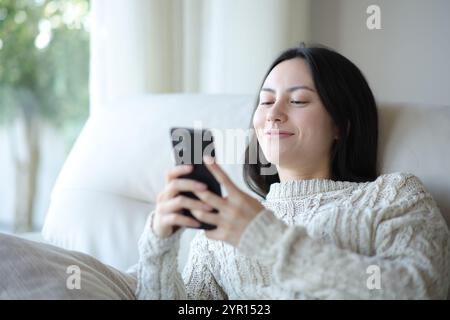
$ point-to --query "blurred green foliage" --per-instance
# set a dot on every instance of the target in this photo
(44, 61)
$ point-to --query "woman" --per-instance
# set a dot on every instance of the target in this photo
(328, 227)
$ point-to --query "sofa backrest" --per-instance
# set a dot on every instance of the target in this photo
(416, 139)
(111, 178)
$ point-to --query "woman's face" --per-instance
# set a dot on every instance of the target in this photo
(302, 130)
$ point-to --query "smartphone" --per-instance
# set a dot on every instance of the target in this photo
(189, 145)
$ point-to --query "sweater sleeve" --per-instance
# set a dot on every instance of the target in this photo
(409, 257)
(157, 270)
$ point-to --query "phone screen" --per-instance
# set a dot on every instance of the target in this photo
(189, 146)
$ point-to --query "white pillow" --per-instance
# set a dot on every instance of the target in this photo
(102, 224)
(111, 178)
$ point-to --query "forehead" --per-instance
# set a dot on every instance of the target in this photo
(292, 72)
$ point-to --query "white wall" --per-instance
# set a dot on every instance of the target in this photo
(242, 38)
(216, 46)
(406, 61)
(204, 46)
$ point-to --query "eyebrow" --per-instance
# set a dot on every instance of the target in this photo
(289, 89)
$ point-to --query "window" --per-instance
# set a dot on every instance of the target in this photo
(44, 101)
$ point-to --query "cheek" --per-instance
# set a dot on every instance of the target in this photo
(314, 128)
(258, 118)
(258, 121)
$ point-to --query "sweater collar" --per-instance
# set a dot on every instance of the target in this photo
(298, 188)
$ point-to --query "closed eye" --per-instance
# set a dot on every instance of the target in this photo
(294, 102)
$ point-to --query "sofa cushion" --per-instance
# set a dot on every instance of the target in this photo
(32, 270)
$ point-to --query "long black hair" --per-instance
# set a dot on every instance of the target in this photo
(348, 99)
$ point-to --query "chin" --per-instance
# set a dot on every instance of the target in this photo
(276, 158)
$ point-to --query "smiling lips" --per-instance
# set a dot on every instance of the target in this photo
(276, 133)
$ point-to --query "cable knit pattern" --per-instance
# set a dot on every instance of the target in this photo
(315, 239)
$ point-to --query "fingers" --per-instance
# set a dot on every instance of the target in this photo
(212, 199)
(167, 217)
(206, 217)
(182, 202)
(175, 186)
(219, 174)
(178, 171)
(176, 219)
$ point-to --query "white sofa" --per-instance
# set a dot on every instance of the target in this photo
(110, 180)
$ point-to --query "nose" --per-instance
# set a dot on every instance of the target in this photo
(276, 113)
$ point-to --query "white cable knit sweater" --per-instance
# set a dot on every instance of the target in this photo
(315, 240)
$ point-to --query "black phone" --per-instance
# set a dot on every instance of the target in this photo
(189, 146)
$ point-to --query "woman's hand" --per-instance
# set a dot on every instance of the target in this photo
(236, 210)
(166, 220)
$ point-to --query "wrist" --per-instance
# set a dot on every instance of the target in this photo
(151, 243)
(261, 235)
